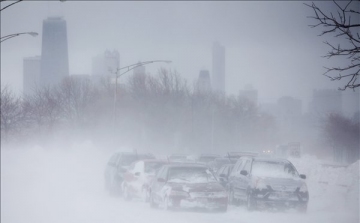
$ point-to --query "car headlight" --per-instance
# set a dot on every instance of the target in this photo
(179, 193)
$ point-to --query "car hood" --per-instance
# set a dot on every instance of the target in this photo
(196, 187)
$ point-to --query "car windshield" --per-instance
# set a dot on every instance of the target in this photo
(274, 169)
(152, 167)
(190, 175)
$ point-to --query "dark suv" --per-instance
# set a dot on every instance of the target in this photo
(267, 182)
(117, 166)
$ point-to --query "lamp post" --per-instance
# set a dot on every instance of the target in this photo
(3, 38)
(121, 71)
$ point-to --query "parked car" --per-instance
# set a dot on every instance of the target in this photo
(263, 182)
(139, 176)
(117, 166)
(187, 186)
(223, 174)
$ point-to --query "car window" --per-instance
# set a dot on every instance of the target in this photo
(159, 172)
(236, 167)
(247, 166)
(239, 167)
(162, 174)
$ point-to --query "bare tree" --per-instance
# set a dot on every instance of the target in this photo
(11, 113)
(344, 25)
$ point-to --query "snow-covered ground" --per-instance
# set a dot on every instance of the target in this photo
(53, 185)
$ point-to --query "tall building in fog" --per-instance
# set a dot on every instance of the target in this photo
(104, 65)
(326, 101)
(218, 67)
(204, 83)
(31, 74)
(54, 51)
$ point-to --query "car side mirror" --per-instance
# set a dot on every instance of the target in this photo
(302, 176)
(161, 180)
(137, 174)
(244, 172)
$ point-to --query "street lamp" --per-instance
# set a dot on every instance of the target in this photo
(3, 38)
(121, 71)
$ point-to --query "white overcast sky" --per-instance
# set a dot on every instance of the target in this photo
(268, 44)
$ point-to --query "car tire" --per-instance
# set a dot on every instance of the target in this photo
(250, 203)
(152, 203)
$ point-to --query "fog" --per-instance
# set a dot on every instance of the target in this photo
(264, 41)
(57, 139)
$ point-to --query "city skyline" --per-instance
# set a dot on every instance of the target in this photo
(283, 51)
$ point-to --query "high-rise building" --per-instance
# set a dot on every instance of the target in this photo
(218, 67)
(31, 74)
(204, 83)
(54, 51)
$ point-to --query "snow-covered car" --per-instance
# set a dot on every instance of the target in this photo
(117, 166)
(187, 186)
(267, 182)
(139, 176)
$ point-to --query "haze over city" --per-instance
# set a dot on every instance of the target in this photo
(186, 111)
(264, 41)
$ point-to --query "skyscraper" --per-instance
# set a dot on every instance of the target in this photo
(31, 74)
(54, 52)
(218, 67)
